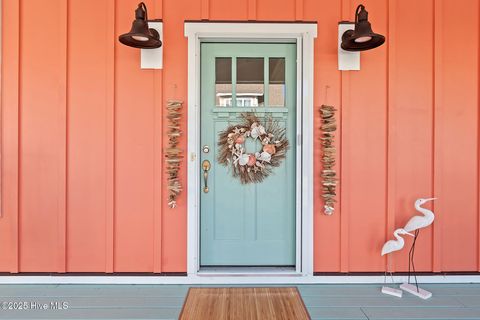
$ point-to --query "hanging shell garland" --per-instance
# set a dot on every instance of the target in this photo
(173, 154)
(329, 175)
(252, 167)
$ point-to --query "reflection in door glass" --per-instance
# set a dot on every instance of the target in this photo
(250, 88)
(223, 82)
(276, 82)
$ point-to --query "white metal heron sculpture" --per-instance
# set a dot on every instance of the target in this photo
(415, 224)
(419, 222)
(389, 247)
(395, 245)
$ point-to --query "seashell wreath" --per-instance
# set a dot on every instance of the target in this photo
(252, 167)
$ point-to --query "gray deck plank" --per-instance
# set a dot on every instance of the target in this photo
(380, 300)
(92, 290)
(106, 302)
(100, 313)
(372, 290)
(398, 313)
(335, 313)
(469, 301)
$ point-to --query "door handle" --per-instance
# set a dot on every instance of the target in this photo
(206, 168)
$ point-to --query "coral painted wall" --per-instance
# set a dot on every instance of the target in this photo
(83, 133)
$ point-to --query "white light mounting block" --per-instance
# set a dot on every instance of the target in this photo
(153, 58)
(347, 60)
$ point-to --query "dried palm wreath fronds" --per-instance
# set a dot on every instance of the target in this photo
(173, 154)
(329, 175)
(248, 166)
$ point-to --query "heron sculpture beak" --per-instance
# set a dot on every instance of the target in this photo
(411, 235)
(431, 199)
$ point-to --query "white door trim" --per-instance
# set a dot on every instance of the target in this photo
(301, 33)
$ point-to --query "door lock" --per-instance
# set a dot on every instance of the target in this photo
(206, 168)
(206, 149)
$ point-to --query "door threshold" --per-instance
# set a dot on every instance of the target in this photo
(247, 271)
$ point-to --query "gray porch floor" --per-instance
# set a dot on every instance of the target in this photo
(452, 301)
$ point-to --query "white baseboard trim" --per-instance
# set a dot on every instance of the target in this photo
(231, 280)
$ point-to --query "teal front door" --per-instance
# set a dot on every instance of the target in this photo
(247, 224)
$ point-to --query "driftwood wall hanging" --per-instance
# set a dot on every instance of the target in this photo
(173, 154)
(329, 175)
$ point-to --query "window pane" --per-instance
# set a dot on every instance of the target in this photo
(223, 82)
(250, 88)
(276, 83)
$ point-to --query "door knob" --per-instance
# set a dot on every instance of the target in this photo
(206, 168)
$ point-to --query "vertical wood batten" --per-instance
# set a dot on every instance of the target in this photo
(158, 159)
(478, 143)
(299, 10)
(391, 128)
(437, 105)
(252, 9)
(9, 221)
(364, 152)
(63, 137)
(42, 133)
(327, 90)
(410, 123)
(89, 103)
(174, 221)
(456, 136)
(134, 152)
(205, 15)
(110, 43)
(344, 178)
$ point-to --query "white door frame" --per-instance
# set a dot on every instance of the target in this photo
(303, 35)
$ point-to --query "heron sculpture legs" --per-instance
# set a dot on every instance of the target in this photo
(411, 260)
(414, 289)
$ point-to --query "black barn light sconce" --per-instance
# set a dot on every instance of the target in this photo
(146, 35)
(356, 37)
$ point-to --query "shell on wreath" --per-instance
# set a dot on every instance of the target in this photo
(270, 148)
(263, 156)
(243, 159)
(240, 139)
(251, 160)
(265, 141)
(230, 140)
(257, 130)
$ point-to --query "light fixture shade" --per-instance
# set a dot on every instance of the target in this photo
(362, 38)
(140, 36)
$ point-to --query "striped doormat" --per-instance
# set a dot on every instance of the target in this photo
(244, 304)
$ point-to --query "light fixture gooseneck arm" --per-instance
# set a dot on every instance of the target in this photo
(139, 14)
(360, 7)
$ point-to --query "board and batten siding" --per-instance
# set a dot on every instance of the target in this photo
(83, 130)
